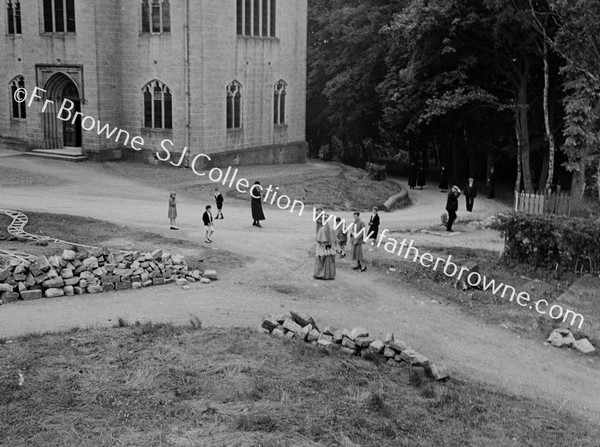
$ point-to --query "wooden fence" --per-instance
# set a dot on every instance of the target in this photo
(548, 203)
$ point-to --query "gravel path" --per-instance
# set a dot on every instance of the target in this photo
(280, 279)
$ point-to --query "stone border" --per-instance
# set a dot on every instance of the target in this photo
(355, 342)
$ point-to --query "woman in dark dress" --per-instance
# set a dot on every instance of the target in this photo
(443, 179)
(412, 176)
(257, 211)
(421, 177)
(374, 225)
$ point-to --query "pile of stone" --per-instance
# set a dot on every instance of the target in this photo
(99, 270)
(355, 342)
(564, 337)
(492, 222)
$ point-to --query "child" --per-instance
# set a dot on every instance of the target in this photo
(173, 210)
(219, 200)
(208, 224)
(342, 238)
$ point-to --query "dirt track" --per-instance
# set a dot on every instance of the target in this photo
(280, 278)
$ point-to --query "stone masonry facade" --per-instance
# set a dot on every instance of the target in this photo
(195, 51)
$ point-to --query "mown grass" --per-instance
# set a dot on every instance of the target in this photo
(162, 385)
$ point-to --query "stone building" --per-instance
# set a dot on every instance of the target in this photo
(225, 77)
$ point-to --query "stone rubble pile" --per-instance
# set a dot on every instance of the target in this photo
(564, 337)
(356, 342)
(95, 271)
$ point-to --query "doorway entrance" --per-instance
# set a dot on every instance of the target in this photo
(59, 133)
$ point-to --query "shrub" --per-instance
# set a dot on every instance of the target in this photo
(549, 241)
(376, 172)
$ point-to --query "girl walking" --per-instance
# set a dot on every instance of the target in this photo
(173, 210)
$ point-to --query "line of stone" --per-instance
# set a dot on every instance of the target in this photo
(16, 229)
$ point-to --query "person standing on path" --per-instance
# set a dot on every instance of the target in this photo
(374, 227)
(219, 201)
(207, 219)
(319, 223)
(173, 210)
(443, 180)
(256, 205)
(452, 206)
(470, 194)
(421, 177)
(325, 252)
(357, 240)
(491, 181)
(412, 176)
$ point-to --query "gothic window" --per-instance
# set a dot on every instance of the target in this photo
(18, 109)
(279, 103)
(59, 16)
(13, 13)
(256, 18)
(158, 106)
(156, 16)
(234, 105)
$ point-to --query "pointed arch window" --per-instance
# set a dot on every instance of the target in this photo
(156, 16)
(13, 13)
(234, 105)
(158, 106)
(18, 109)
(279, 102)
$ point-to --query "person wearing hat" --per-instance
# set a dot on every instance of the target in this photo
(452, 206)
(470, 194)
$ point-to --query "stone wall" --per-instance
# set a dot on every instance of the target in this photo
(355, 342)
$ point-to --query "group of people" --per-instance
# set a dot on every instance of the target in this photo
(207, 217)
(470, 192)
(416, 176)
(330, 242)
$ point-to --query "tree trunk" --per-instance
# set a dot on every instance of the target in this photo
(523, 129)
(549, 134)
(598, 178)
(543, 183)
(577, 185)
(519, 152)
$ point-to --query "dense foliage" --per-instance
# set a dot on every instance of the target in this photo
(466, 84)
(549, 241)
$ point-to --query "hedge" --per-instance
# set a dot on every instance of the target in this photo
(550, 241)
(375, 171)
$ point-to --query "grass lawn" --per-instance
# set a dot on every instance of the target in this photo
(162, 385)
(333, 185)
(493, 309)
(101, 233)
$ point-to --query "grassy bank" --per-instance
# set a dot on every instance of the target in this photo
(160, 385)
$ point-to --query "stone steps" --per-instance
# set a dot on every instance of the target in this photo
(74, 155)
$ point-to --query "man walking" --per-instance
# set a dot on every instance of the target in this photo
(470, 194)
(452, 206)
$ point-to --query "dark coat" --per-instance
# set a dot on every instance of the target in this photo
(452, 203)
(444, 179)
(207, 218)
(412, 176)
(421, 177)
(257, 211)
(470, 192)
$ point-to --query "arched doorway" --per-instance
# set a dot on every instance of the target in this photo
(59, 133)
